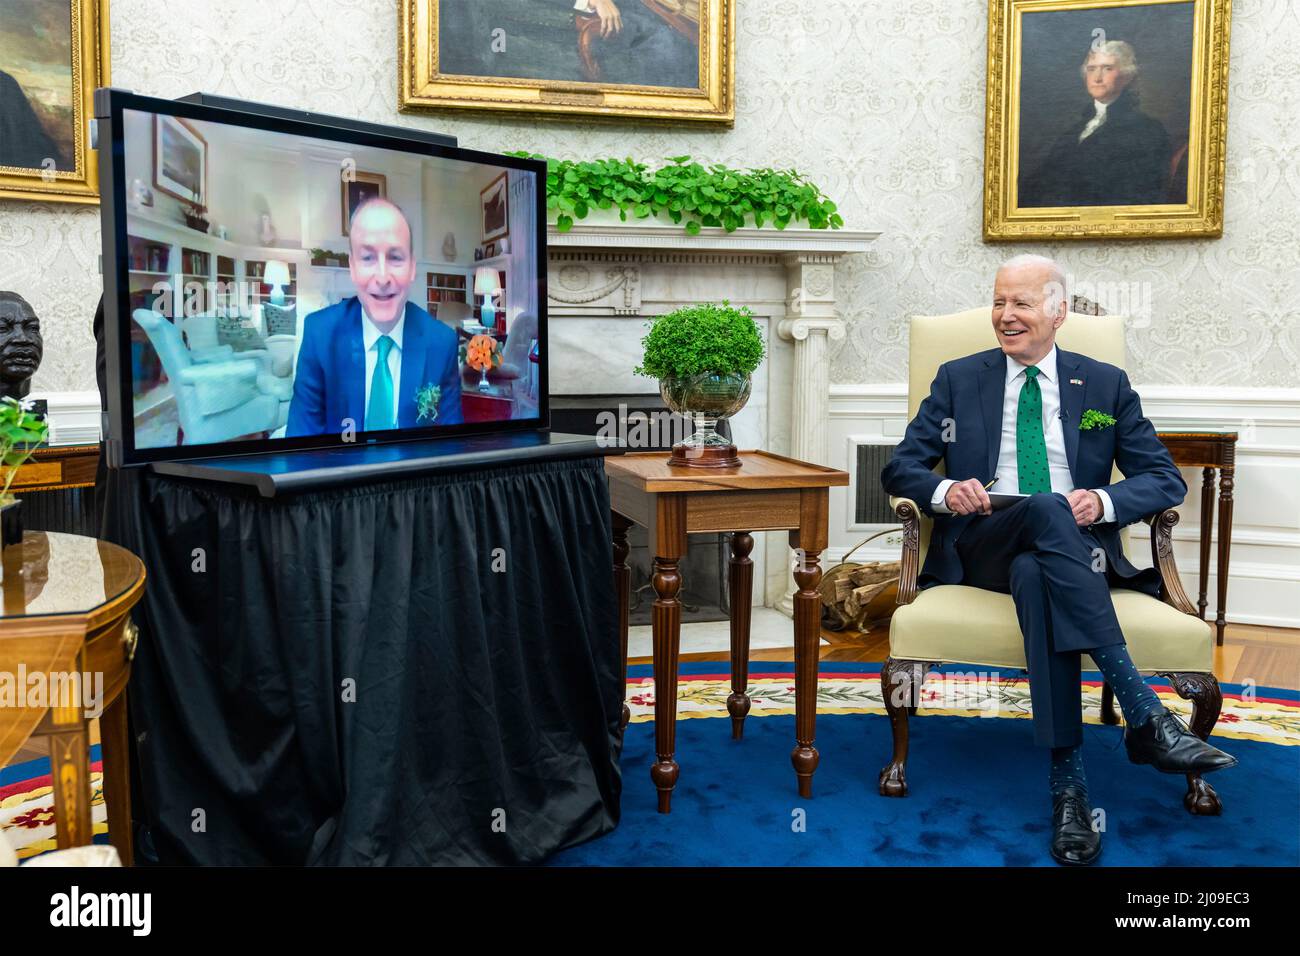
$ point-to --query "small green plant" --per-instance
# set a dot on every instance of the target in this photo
(688, 192)
(1095, 419)
(20, 434)
(708, 338)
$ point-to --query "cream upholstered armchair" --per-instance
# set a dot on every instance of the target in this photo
(965, 625)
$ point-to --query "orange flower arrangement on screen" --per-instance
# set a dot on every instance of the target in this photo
(481, 353)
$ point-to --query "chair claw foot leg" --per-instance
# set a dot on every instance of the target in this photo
(893, 781)
(1200, 799)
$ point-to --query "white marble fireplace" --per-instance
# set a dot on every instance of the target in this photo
(606, 281)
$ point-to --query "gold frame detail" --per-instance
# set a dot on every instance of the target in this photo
(373, 179)
(421, 87)
(90, 69)
(1202, 214)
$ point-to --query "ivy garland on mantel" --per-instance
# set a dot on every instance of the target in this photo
(686, 191)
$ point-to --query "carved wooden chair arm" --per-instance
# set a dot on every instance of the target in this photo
(1162, 556)
(909, 516)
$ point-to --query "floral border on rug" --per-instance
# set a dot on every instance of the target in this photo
(1265, 719)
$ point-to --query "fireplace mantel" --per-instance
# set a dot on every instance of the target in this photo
(640, 236)
(602, 273)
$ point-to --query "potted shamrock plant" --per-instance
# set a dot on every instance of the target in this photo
(704, 356)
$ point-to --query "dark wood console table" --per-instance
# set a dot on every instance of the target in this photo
(1209, 449)
(766, 493)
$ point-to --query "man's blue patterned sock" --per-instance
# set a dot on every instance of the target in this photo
(1067, 770)
(1138, 701)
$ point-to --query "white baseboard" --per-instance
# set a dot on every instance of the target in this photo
(1264, 570)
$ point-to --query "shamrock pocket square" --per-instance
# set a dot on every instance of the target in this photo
(1095, 419)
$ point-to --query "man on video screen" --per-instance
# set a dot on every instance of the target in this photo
(375, 361)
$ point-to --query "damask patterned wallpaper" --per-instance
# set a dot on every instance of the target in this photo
(879, 101)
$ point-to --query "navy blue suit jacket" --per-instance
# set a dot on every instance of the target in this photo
(969, 392)
(330, 383)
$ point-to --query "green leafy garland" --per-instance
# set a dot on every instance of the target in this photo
(698, 195)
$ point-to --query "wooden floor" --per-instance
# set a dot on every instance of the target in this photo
(1270, 656)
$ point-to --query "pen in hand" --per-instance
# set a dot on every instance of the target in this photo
(986, 488)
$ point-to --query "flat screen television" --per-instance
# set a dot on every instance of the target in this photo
(273, 283)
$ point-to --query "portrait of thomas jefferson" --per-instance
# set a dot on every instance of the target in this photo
(623, 42)
(1112, 153)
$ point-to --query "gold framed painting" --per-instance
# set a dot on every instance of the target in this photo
(659, 60)
(1105, 119)
(53, 54)
(358, 188)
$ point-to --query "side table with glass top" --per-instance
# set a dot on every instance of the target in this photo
(65, 629)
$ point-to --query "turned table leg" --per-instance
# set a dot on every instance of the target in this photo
(668, 546)
(1207, 531)
(1225, 538)
(667, 628)
(741, 583)
(807, 637)
(115, 748)
(622, 588)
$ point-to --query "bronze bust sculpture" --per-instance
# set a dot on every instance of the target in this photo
(21, 345)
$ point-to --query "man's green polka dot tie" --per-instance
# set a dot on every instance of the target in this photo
(1031, 447)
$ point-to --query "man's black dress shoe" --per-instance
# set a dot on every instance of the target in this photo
(1074, 841)
(1165, 742)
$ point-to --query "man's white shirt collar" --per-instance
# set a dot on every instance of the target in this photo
(1046, 367)
(370, 332)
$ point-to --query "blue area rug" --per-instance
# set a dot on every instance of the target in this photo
(978, 795)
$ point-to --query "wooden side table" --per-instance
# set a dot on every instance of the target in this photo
(766, 493)
(1210, 449)
(66, 600)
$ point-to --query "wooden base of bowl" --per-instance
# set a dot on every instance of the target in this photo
(710, 456)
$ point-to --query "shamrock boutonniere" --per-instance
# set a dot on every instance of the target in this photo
(1095, 419)
(426, 402)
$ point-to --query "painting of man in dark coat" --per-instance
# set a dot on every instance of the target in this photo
(1112, 154)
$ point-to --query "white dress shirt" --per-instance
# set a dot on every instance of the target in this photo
(1058, 465)
(1096, 121)
(370, 335)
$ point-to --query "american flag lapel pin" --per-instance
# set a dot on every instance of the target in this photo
(1076, 381)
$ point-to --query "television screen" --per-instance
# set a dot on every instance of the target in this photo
(284, 284)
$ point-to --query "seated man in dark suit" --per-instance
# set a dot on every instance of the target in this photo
(1012, 415)
(363, 361)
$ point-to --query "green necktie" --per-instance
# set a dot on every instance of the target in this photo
(379, 413)
(1031, 447)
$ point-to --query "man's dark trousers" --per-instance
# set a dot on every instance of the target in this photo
(1058, 576)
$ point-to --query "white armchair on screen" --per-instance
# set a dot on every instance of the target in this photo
(218, 400)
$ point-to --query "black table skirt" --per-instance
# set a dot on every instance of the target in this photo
(416, 672)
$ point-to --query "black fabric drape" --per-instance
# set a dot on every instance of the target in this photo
(414, 672)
